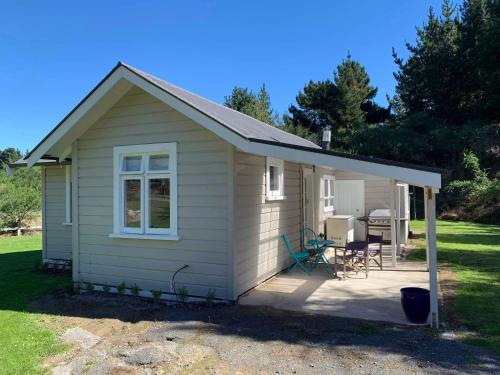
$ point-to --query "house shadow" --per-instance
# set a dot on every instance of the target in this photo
(266, 325)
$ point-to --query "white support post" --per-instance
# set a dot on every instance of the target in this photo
(398, 220)
(426, 226)
(75, 260)
(392, 198)
(430, 216)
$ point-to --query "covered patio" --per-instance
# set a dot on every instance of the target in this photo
(375, 298)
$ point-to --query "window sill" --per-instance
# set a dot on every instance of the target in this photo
(160, 237)
(276, 198)
(67, 223)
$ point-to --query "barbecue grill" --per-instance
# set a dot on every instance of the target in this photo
(378, 220)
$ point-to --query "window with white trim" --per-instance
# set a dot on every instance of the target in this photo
(275, 179)
(329, 193)
(68, 195)
(145, 189)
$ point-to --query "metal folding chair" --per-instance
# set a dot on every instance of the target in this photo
(375, 249)
(299, 258)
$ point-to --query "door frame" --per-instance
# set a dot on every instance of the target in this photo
(307, 171)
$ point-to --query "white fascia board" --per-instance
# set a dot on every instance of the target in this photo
(73, 119)
(65, 153)
(407, 175)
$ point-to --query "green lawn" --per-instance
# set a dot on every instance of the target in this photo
(473, 253)
(23, 340)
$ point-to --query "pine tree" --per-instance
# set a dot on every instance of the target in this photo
(345, 104)
(257, 106)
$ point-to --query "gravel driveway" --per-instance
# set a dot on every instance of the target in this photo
(126, 335)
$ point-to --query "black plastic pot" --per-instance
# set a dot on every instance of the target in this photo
(416, 304)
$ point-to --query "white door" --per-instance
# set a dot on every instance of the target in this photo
(308, 198)
(349, 196)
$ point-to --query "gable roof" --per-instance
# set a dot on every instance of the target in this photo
(240, 123)
(242, 131)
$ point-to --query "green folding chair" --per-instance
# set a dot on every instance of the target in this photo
(298, 257)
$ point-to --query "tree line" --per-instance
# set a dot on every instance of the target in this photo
(20, 193)
(445, 112)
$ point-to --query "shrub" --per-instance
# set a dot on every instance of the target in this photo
(120, 288)
(182, 293)
(210, 296)
(89, 287)
(156, 293)
(135, 290)
(106, 288)
(472, 195)
(19, 197)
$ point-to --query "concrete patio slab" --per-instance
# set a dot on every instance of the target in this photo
(374, 298)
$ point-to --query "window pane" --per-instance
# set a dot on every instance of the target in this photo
(331, 187)
(158, 162)
(132, 163)
(159, 203)
(331, 202)
(132, 203)
(326, 189)
(273, 178)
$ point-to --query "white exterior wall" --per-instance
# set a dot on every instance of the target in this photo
(203, 186)
(259, 252)
(57, 237)
(377, 189)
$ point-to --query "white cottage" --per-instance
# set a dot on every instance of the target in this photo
(143, 178)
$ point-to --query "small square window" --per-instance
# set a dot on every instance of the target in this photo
(158, 162)
(328, 193)
(274, 179)
(132, 164)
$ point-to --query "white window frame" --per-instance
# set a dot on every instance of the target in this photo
(272, 195)
(328, 195)
(144, 175)
(68, 196)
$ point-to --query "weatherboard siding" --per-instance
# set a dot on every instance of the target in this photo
(258, 248)
(57, 236)
(139, 118)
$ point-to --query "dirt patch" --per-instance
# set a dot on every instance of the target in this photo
(134, 336)
(448, 285)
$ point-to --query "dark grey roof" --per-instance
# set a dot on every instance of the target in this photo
(243, 125)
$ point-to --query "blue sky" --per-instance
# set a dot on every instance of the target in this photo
(53, 53)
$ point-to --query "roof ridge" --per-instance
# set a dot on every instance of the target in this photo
(143, 73)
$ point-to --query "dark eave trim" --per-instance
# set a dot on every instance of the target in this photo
(368, 159)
